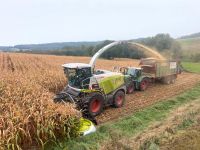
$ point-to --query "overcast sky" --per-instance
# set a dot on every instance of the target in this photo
(42, 21)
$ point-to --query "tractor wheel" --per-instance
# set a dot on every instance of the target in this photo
(173, 79)
(130, 88)
(167, 80)
(144, 84)
(93, 104)
(119, 99)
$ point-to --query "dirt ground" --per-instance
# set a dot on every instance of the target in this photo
(155, 93)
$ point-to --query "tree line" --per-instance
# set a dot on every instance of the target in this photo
(161, 42)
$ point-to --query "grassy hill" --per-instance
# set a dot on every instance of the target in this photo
(190, 45)
(194, 35)
(190, 48)
(191, 66)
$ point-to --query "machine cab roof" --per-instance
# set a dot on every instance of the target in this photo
(76, 65)
(138, 68)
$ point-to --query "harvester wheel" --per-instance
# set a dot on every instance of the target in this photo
(119, 99)
(130, 88)
(93, 104)
(144, 84)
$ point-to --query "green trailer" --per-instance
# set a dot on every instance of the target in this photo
(161, 70)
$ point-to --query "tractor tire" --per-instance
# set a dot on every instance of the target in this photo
(119, 99)
(93, 104)
(173, 79)
(130, 88)
(144, 84)
(167, 80)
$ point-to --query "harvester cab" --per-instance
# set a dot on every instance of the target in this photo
(78, 75)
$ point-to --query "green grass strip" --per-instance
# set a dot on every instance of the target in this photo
(128, 126)
(192, 67)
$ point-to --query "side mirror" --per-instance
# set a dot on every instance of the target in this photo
(123, 70)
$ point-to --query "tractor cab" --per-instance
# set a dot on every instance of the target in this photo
(134, 72)
(78, 75)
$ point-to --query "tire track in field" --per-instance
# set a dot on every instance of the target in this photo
(10, 63)
(1, 61)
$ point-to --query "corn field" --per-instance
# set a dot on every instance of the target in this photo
(28, 117)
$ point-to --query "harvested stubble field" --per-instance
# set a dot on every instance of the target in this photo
(28, 83)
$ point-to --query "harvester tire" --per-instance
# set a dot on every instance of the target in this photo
(93, 104)
(119, 99)
(144, 84)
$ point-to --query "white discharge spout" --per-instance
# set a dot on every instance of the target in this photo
(102, 50)
(96, 56)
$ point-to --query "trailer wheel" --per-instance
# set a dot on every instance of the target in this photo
(119, 99)
(93, 104)
(144, 84)
(130, 88)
